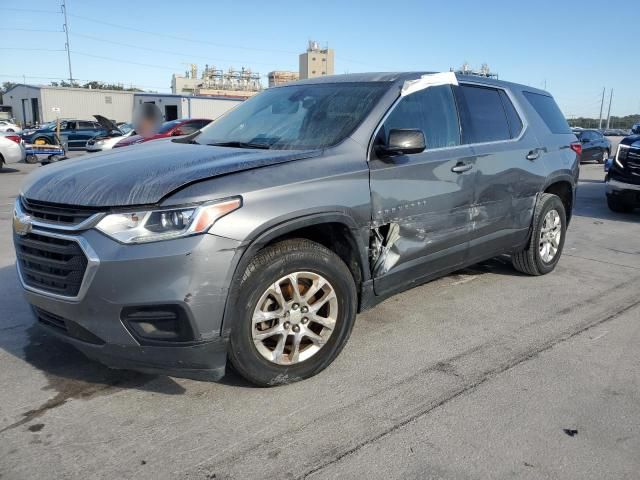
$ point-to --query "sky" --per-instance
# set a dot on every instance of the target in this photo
(574, 49)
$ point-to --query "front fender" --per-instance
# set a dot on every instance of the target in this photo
(266, 234)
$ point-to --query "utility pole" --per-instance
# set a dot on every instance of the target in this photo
(601, 106)
(66, 32)
(609, 111)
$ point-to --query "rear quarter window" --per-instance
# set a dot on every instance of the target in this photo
(486, 117)
(548, 110)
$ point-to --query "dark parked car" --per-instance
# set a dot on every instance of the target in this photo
(259, 238)
(76, 131)
(623, 177)
(595, 146)
(174, 128)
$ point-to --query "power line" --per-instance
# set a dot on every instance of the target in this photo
(34, 49)
(29, 10)
(166, 52)
(29, 30)
(175, 37)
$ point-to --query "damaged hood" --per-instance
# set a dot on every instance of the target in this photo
(145, 173)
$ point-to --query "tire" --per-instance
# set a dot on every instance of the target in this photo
(605, 157)
(10, 130)
(530, 260)
(31, 159)
(42, 141)
(304, 259)
(617, 205)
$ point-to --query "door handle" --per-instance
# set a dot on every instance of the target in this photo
(533, 154)
(461, 167)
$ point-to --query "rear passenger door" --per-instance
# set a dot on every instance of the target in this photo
(420, 206)
(507, 177)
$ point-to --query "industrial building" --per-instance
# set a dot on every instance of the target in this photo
(316, 61)
(280, 77)
(33, 104)
(238, 84)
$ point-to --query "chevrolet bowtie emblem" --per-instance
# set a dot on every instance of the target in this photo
(22, 224)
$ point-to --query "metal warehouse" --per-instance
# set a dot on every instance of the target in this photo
(184, 106)
(33, 104)
(37, 104)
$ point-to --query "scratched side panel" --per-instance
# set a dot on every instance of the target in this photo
(430, 206)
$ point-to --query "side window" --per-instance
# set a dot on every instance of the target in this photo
(69, 126)
(85, 125)
(433, 110)
(515, 122)
(548, 110)
(487, 120)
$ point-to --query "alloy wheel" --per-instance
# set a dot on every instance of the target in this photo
(550, 235)
(294, 318)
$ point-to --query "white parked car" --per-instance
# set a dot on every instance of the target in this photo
(116, 133)
(11, 148)
(7, 126)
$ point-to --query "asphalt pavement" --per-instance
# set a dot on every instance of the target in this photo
(486, 373)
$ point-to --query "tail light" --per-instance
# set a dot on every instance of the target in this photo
(15, 138)
(577, 147)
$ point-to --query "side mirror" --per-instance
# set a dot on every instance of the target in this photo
(404, 141)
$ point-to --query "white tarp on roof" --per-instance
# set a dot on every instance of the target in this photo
(428, 80)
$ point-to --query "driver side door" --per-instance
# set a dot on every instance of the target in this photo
(421, 202)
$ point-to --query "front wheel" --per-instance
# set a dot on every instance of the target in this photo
(296, 305)
(549, 226)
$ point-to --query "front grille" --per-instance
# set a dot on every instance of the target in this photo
(633, 161)
(51, 264)
(54, 213)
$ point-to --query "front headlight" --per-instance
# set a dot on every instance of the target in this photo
(99, 143)
(144, 226)
(621, 154)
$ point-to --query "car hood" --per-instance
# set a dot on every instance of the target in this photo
(632, 140)
(145, 174)
(105, 123)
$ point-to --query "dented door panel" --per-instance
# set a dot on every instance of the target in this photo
(421, 211)
(506, 188)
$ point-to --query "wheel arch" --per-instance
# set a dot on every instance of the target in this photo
(564, 187)
(335, 230)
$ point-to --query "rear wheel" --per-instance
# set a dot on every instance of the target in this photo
(605, 157)
(296, 305)
(618, 205)
(543, 251)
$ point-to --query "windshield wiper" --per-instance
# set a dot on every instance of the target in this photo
(235, 144)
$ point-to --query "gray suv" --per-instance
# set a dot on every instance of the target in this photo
(259, 239)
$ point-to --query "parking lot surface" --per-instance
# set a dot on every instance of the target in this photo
(485, 373)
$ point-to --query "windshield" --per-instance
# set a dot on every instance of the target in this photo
(296, 116)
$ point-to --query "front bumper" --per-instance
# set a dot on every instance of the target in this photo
(192, 274)
(628, 192)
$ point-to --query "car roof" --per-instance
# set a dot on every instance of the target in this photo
(401, 77)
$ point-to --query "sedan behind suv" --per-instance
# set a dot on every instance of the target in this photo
(595, 146)
(259, 239)
(174, 128)
(11, 149)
